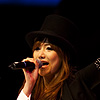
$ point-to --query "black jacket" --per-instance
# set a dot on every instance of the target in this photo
(81, 87)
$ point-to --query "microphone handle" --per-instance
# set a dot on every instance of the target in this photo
(21, 65)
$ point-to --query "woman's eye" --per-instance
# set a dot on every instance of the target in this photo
(38, 48)
(49, 48)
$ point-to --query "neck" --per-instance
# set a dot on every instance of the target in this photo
(47, 80)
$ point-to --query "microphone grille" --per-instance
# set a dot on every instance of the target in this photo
(39, 62)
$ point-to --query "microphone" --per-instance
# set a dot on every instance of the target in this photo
(25, 65)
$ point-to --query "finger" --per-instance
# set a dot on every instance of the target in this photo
(28, 59)
(31, 76)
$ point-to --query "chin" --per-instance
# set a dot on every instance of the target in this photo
(43, 72)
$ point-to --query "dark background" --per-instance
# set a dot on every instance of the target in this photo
(17, 20)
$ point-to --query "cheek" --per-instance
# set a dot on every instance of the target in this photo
(35, 54)
(55, 63)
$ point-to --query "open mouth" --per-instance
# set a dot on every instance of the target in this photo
(45, 63)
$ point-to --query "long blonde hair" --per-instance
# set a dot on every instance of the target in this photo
(51, 92)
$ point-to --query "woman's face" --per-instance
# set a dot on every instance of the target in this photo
(49, 57)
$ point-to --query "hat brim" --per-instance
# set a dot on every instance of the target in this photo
(54, 39)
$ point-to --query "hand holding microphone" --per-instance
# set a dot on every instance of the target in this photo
(30, 67)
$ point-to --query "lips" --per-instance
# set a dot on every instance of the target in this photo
(44, 64)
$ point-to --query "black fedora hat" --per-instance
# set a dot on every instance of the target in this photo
(60, 30)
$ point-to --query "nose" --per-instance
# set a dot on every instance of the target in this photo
(41, 55)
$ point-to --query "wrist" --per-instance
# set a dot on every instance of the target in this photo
(27, 89)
